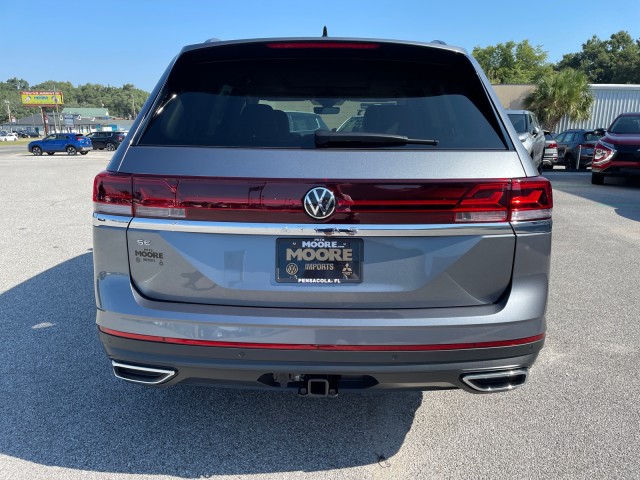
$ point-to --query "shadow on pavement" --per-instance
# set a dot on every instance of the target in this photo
(621, 194)
(61, 406)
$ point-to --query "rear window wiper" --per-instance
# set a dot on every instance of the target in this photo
(360, 139)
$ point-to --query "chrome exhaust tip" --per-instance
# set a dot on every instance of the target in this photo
(144, 375)
(500, 381)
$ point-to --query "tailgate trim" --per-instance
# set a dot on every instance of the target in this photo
(314, 230)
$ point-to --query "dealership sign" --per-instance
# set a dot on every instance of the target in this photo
(41, 99)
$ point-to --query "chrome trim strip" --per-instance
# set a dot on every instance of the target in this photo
(105, 220)
(315, 230)
(167, 374)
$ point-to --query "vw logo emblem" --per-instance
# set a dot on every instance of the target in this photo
(319, 203)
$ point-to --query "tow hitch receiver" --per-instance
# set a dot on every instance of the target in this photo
(325, 386)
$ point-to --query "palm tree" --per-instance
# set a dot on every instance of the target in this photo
(558, 94)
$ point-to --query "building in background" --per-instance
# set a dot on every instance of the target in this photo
(70, 119)
(608, 102)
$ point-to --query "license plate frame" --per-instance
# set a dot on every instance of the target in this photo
(319, 261)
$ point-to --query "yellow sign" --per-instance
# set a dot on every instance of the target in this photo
(42, 99)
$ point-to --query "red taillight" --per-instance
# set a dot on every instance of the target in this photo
(602, 155)
(112, 193)
(327, 44)
(552, 145)
(156, 197)
(277, 201)
(531, 199)
(485, 202)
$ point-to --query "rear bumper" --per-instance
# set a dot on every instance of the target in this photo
(457, 336)
(353, 371)
(550, 157)
(621, 169)
(519, 314)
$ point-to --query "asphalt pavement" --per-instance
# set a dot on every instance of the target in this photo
(64, 415)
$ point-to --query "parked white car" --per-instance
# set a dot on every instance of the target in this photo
(7, 136)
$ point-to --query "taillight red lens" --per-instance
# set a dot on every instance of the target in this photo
(112, 193)
(485, 202)
(531, 199)
(275, 201)
(156, 197)
(552, 145)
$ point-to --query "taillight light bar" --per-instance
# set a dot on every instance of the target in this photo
(324, 45)
(364, 202)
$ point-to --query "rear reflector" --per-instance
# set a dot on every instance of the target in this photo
(297, 346)
(360, 202)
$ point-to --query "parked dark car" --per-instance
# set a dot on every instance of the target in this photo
(70, 143)
(530, 134)
(617, 153)
(232, 247)
(550, 157)
(572, 143)
(106, 140)
(28, 134)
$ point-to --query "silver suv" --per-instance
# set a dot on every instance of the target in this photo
(530, 134)
(231, 249)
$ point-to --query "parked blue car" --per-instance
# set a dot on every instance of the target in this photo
(70, 143)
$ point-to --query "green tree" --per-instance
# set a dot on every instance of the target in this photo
(616, 60)
(558, 94)
(18, 83)
(10, 92)
(512, 62)
(67, 89)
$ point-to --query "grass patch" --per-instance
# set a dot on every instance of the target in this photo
(20, 141)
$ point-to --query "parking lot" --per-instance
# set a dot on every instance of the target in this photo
(64, 415)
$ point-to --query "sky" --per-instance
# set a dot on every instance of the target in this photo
(133, 41)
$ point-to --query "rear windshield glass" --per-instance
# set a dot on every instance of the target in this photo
(626, 124)
(256, 96)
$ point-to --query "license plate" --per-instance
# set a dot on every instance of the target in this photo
(319, 260)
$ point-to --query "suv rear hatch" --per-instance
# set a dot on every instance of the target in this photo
(232, 207)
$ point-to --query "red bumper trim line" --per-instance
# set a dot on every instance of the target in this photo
(354, 348)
